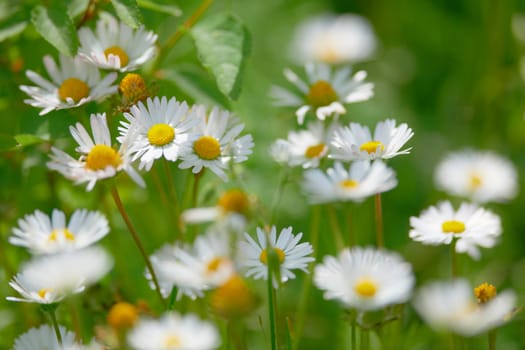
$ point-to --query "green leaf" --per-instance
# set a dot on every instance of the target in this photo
(223, 44)
(56, 27)
(76, 7)
(128, 12)
(23, 140)
(162, 8)
(12, 30)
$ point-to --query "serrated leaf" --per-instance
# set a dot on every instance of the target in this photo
(56, 27)
(12, 30)
(162, 8)
(223, 44)
(128, 12)
(23, 140)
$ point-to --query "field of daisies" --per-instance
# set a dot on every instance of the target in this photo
(274, 174)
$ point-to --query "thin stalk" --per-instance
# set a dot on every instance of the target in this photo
(158, 184)
(454, 259)
(195, 191)
(283, 180)
(349, 224)
(138, 243)
(379, 221)
(271, 308)
(336, 229)
(365, 339)
(52, 316)
(75, 319)
(171, 187)
(492, 340)
(353, 335)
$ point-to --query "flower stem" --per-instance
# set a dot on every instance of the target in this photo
(52, 316)
(454, 258)
(271, 307)
(133, 232)
(353, 335)
(336, 229)
(379, 221)
(492, 340)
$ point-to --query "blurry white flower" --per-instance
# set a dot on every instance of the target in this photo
(324, 92)
(160, 128)
(477, 175)
(44, 338)
(215, 142)
(44, 235)
(291, 254)
(356, 143)
(50, 278)
(114, 45)
(451, 306)
(173, 331)
(365, 278)
(98, 160)
(73, 83)
(471, 227)
(362, 180)
(334, 39)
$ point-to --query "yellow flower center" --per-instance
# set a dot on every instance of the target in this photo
(475, 182)
(371, 146)
(122, 315)
(215, 263)
(321, 94)
(453, 226)
(329, 55)
(68, 235)
(349, 184)
(315, 151)
(484, 292)
(117, 51)
(366, 288)
(102, 156)
(161, 134)
(234, 201)
(172, 342)
(207, 147)
(133, 87)
(73, 88)
(264, 256)
(43, 292)
(233, 298)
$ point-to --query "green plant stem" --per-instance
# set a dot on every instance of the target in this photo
(336, 229)
(195, 191)
(353, 335)
(454, 259)
(271, 307)
(138, 243)
(365, 339)
(349, 224)
(171, 187)
(379, 221)
(52, 316)
(492, 340)
(283, 180)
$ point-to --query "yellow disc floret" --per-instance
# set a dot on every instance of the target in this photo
(117, 51)
(233, 299)
(315, 151)
(122, 315)
(321, 94)
(68, 235)
(133, 87)
(264, 255)
(207, 147)
(73, 88)
(349, 184)
(234, 201)
(475, 181)
(484, 292)
(371, 146)
(365, 288)
(102, 156)
(43, 292)
(172, 342)
(215, 263)
(453, 226)
(161, 134)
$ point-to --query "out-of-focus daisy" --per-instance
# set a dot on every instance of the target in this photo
(233, 299)
(477, 175)
(365, 278)
(356, 143)
(50, 278)
(44, 338)
(362, 180)
(73, 83)
(43, 234)
(160, 128)
(114, 45)
(452, 306)
(173, 331)
(471, 227)
(324, 92)
(304, 147)
(334, 39)
(292, 255)
(98, 160)
(122, 316)
(215, 142)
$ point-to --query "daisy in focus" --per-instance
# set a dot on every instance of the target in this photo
(173, 331)
(43, 234)
(215, 142)
(365, 278)
(334, 39)
(363, 179)
(291, 254)
(98, 160)
(74, 82)
(44, 338)
(160, 129)
(116, 46)
(355, 142)
(323, 92)
(455, 307)
(470, 226)
(480, 176)
(49, 279)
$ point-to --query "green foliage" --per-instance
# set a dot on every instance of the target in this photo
(128, 12)
(161, 8)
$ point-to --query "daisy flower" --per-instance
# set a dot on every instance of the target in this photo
(452, 306)
(305, 147)
(365, 278)
(363, 179)
(480, 176)
(292, 255)
(114, 45)
(161, 127)
(334, 39)
(44, 338)
(49, 279)
(324, 92)
(471, 227)
(73, 83)
(215, 142)
(45, 235)
(98, 160)
(356, 142)
(173, 331)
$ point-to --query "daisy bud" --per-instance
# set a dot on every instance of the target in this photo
(122, 315)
